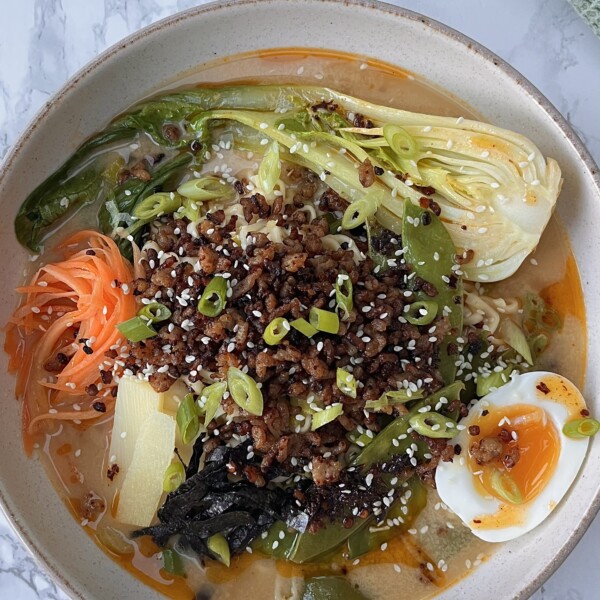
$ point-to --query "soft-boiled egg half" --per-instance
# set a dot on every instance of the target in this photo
(515, 463)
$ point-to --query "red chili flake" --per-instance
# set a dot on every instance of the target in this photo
(112, 472)
(474, 429)
(585, 412)
(543, 387)
(485, 413)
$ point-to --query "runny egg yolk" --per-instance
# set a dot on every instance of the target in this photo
(535, 440)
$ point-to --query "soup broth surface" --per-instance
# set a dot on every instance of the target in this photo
(438, 550)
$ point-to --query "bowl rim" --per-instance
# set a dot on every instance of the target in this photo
(438, 27)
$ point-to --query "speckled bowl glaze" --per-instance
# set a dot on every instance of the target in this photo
(139, 65)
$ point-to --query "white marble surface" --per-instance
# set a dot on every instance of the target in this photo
(44, 41)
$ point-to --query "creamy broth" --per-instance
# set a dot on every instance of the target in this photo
(438, 550)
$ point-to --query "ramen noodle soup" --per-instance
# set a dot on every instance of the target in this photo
(302, 324)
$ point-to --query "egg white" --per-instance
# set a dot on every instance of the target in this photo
(455, 481)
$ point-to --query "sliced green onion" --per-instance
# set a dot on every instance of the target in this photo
(394, 397)
(358, 212)
(245, 391)
(346, 383)
(214, 298)
(270, 169)
(433, 425)
(174, 477)
(328, 414)
(276, 330)
(136, 329)
(492, 381)
(187, 419)
(190, 209)
(157, 205)
(219, 548)
(361, 439)
(324, 320)
(335, 225)
(422, 312)
(400, 141)
(581, 428)
(506, 487)
(538, 344)
(172, 562)
(513, 335)
(206, 188)
(210, 400)
(155, 312)
(343, 294)
(304, 327)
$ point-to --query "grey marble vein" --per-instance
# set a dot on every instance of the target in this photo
(45, 41)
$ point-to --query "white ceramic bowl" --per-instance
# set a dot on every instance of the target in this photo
(139, 65)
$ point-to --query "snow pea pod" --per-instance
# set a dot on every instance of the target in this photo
(430, 251)
(383, 447)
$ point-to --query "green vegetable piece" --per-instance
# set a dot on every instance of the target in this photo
(388, 399)
(360, 437)
(136, 329)
(400, 141)
(174, 476)
(427, 241)
(206, 188)
(404, 512)
(433, 425)
(328, 414)
(422, 312)
(309, 547)
(324, 320)
(155, 312)
(214, 298)
(493, 381)
(304, 327)
(245, 391)
(358, 212)
(278, 541)
(172, 562)
(346, 383)
(217, 545)
(331, 588)
(513, 335)
(383, 446)
(269, 170)
(581, 428)
(187, 418)
(506, 487)
(157, 205)
(343, 294)
(210, 400)
(276, 330)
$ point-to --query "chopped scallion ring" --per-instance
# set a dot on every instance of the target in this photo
(358, 212)
(214, 298)
(346, 383)
(172, 562)
(422, 312)
(174, 477)
(156, 205)
(206, 188)
(433, 425)
(392, 397)
(245, 391)
(210, 400)
(343, 294)
(581, 428)
(219, 548)
(155, 312)
(324, 320)
(276, 330)
(328, 414)
(187, 419)
(506, 487)
(304, 327)
(136, 329)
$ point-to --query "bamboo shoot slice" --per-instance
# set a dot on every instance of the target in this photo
(143, 485)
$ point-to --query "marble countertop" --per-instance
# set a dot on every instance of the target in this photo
(45, 41)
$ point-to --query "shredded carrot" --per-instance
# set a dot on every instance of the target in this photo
(68, 306)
